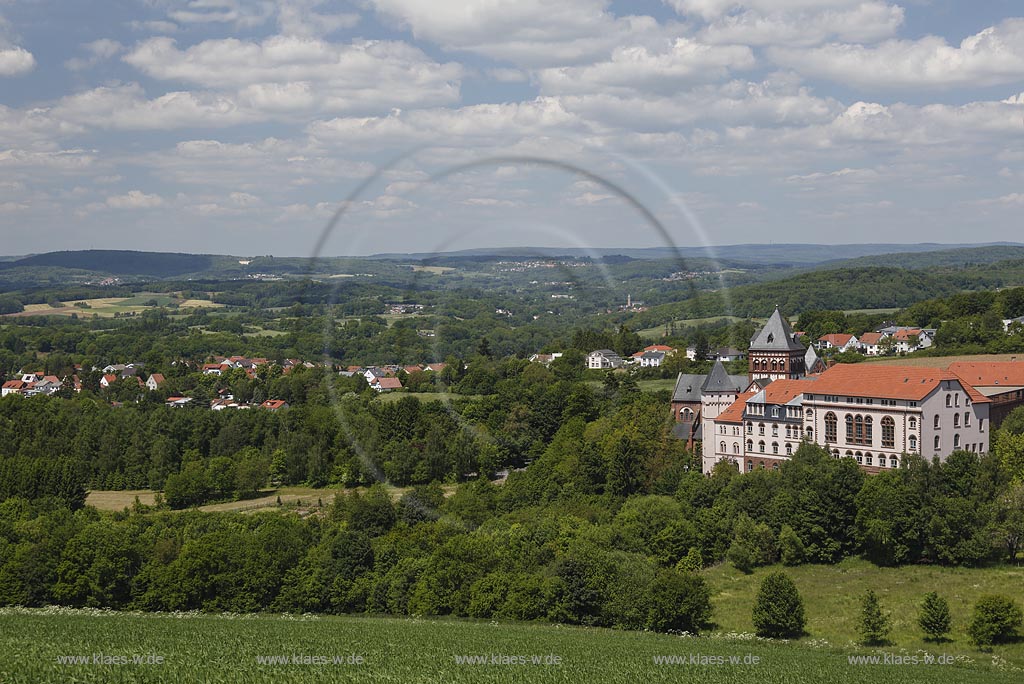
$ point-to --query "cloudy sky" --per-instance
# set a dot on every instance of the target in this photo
(240, 126)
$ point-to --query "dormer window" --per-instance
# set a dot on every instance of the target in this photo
(771, 338)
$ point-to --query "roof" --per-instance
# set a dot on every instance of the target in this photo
(652, 355)
(776, 335)
(659, 347)
(906, 334)
(912, 383)
(836, 339)
(989, 373)
(720, 381)
(810, 358)
(784, 391)
(14, 384)
(604, 352)
(157, 377)
(273, 404)
(688, 387)
(389, 383)
(871, 338)
(734, 414)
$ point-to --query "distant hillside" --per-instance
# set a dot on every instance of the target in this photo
(118, 262)
(782, 254)
(960, 257)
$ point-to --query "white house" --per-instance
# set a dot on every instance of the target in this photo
(839, 341)
(872, 343)
(603, 359)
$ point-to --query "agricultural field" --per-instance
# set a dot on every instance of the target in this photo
(434, 270)
(940, 361)
(831, 597)
(37, 645)
(108, 307)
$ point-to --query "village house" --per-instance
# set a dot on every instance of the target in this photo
(154, 381)
(386, 384)
(873, 343)
(274, 404)
(603, 359)
(839, 341)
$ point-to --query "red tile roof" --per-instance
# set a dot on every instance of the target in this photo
(658, 347)
(836, 339)
(14, 384)
(871, 338)
(989, 373)
(911, 383)
(734, 414)
(907, 334)
(273, 404)
(784, 391)
(389, 383)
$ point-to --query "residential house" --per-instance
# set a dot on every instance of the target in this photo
(108, 380)
(154, 381)
(603, 359)
(839, 341)
(726, 354)
(386, 384)
(545, 359)
(873, 343)
(274, 405)
(908, 340)
(14, 387)
(649, 359)
(1015, 323)
(178, 402)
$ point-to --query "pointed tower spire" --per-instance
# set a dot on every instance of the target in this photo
(718, 380)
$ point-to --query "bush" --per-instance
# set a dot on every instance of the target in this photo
(680, 601)
(778, 609)
(874, 624)
(995, 621)
(934, 619)
(791, 549)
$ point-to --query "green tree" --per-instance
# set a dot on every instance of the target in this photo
(791, 549)
(995, 620)
(680, 601)
(778, 608)
(933, 617)
(874, 625)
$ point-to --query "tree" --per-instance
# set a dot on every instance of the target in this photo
(933, 618)
(791, 549)
(778, 608)
(874, 625)
(680, 601)
(996, 620)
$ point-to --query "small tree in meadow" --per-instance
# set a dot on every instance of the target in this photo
(996, 620)
(934, 618)
(778, 608)
(874, 625)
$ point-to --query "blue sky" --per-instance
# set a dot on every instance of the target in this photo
(241, 126)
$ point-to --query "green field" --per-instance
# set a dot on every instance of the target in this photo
(108, 307)
(659, 330)
(831, 596)
(229, 648)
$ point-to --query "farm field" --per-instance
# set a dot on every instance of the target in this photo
(107, 307)
(941, 361)
(831, 599)
(35, 646)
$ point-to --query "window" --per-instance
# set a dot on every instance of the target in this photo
(893, 463)
(750, 445)
(868, 459)
(849, 428)
(881, 461)
(775, 412)
(858, 429)
(937, 426)
(949, 400)
(888, 432)
(913, 442)
(967, 419)
(830, 427)
(860, 458)
(721, 447)
(956, 441)
(937, 443)
(750, 428)
(760, 428)
(981, 425)
(750, 466)
(760, 447)
(912, 423)
(810, 433)
(775, 447)
(686, 414)
(956, 400)
(775, 466)
(735, 447)
(775, 430)
(789, 449)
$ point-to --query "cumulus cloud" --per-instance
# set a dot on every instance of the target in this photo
(638, 68)
(852, 22)
(993, 56)
(96, 52)
(134, 199)
(16, 61)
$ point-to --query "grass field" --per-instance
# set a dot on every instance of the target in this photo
(659, 330)
(940, 361)
(435, 270)
(35, 646)
(831, 598)
(107, 307)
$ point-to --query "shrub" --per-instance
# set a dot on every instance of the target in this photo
(791, 549)
(874, 624)
(933, 618)
(778, 609)
(996, 620)
(680, 601)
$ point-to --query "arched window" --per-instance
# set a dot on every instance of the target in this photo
(760, 428)
(913, 443)
(721, 447)
(810, 433)
(949, 400)
(912, 423)
(775, 365)
(868, 459)
(849, 428)
(956, 441)
(760, 447)
(868, 427)
(750, 428)
(937, 426)
(789, 449)
(888, 432)
(956, 420)
(775, 466)
(775, 447)
(775, 429)
(830, 427)
(893, 463)
(750, 445)
(686, 413)
(809, 413)
(750, 466)
(936, 442)
(735, 447)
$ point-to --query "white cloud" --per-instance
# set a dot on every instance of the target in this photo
(16, 61)
(134, 199)
(97, 51)
(126, 107)
(638, 68)
(991, 57)
(713, 9)
(527, 32)
(862, 22)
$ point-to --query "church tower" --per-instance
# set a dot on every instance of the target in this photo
(775, 353)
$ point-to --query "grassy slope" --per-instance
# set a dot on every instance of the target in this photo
(831, 598)
(219, 649)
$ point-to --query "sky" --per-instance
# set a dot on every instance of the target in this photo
(243, 126)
